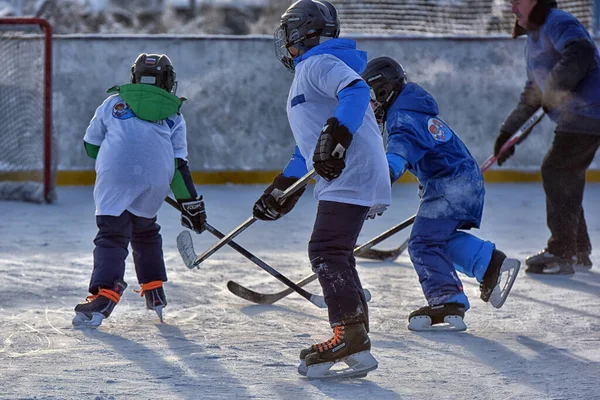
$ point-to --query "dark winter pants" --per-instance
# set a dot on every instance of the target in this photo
(331, 252)
(112, 240)
(563, 176)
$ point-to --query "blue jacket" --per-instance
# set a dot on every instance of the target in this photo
(546, 49)
(452, 181)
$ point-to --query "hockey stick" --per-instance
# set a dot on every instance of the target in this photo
(227, 238)
(185, 246)
(373, 254)
(261, 298)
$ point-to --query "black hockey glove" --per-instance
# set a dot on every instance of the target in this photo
(193, 214)
(267, 208)
(500, 140)
(330, 152)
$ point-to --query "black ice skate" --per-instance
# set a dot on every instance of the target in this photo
(350, 344)
(547, 263)
(500, 269)
(155, 297)
(443, 317)
(99, 306)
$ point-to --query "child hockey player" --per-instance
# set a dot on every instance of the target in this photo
(138, 138)
(452, 198)
(336, 133)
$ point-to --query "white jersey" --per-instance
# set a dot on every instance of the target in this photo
(312, 100)
(136, 161)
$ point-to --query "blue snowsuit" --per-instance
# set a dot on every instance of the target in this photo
(452, 196)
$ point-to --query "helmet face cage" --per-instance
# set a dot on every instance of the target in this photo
(302, 26)
(378, 107)
(386, 78)
(281, 48)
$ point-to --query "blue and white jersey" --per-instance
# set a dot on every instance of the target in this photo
(452, 181)
(327, 83)
(136, 161)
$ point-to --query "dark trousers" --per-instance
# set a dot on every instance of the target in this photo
(112, 241)
(563, 177)
(331, 252)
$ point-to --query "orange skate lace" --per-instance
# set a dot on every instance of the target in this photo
(109, 294)
(338, 335)
(148, 286)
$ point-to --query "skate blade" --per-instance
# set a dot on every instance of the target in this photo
(82, 321)
(509, 270)
(302, 368)
(358, 366)
(159, 312)
(422, 323)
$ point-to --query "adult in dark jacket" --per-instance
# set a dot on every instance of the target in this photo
(563, 77)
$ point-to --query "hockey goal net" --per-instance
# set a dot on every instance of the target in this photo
(26, 163)
(441, 17)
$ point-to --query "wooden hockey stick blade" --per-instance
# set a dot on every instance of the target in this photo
(262, 298)
(185, 245)
(382, 255)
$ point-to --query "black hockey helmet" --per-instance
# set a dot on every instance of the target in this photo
(154, 69)
(302, 26)
(386, 78)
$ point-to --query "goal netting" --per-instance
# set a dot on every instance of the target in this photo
(26, 163)
(441, 17)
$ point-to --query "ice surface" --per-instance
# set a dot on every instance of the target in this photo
(543, 344)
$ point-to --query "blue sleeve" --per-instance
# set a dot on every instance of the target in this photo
(407, 143)
(353, 102)
(564, 29)
(397, 165)
(296, 167)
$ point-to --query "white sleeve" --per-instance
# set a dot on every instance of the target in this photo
(330, 75)
(179, 138)
(96, 130)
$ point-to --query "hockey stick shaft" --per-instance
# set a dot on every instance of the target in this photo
(526, 127)
(300, 183)
(319, 301)
(390, 232)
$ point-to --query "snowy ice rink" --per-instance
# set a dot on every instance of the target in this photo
(543, 344)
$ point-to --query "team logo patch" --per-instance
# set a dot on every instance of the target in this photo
(122, 111)
(439, 130)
